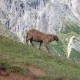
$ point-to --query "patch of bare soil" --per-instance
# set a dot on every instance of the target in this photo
(3, 71)
(35, 70)
(13, 76)
(4, 75)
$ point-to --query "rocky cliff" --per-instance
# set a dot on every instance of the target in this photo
(50, 16)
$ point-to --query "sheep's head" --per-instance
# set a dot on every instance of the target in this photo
(56, 38)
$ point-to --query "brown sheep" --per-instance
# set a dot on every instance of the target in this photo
(35, 35)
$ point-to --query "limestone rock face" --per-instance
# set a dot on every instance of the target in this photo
(44, 15)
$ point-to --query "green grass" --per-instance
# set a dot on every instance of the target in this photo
(15, 56)
(71, 28)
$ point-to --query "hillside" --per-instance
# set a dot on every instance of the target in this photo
(60, 17)
(69, 29)
(27, 61)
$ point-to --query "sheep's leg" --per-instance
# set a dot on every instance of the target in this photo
(45, 44)
(27, 39)
(40, 45)
(31, 43)
(47, 49)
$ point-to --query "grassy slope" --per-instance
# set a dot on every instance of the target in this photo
(60, 48)
(15, 56)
